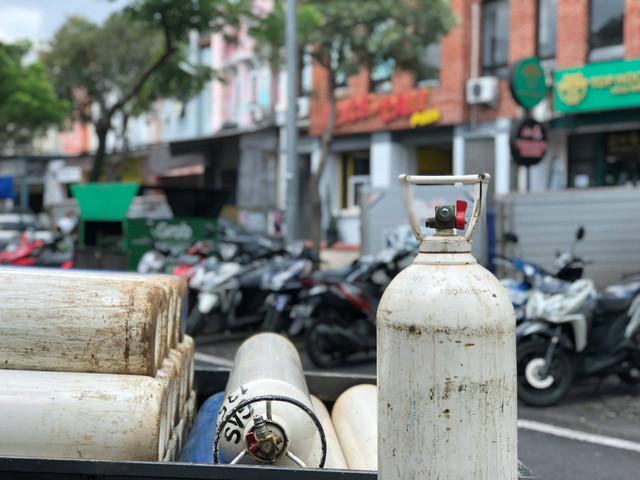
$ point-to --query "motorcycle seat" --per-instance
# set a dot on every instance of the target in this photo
(613, 304)
(331, 276)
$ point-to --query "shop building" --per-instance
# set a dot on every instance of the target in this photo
(460, 122)
(227, 137)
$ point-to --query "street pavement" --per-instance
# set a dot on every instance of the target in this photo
(594, 434)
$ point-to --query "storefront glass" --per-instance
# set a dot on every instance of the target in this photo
(604, 159)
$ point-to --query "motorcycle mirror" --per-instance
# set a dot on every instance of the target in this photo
(580, 233)
(510, 237)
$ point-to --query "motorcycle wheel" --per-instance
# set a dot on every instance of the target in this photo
(198, 323)
(273, 321)
(630, 378)
(320, 349)
(194, 322)
(535, 390)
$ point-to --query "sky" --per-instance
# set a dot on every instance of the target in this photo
(38, 20)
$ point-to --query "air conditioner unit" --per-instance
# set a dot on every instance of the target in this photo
(482, 90)
(303, 107)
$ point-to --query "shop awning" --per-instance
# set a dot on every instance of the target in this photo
(569, 122)
(201, 144)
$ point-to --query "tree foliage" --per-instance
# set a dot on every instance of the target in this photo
(28, 103)
(346, 36)
(138, 56)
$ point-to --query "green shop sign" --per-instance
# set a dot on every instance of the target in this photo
(600, 86)
(527, 83)
(174, 236)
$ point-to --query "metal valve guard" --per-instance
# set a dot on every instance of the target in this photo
(479, 181)
(270, 398)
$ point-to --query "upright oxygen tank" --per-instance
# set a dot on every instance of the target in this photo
(267, 416)
(446, 356)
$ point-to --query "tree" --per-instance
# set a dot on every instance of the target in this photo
(346, 36)
(28, 103)
(138, 56)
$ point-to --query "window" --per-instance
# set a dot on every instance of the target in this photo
(429, 70)
(354, 175)
(380, 77)
(547, 26)
(605, 30)
(495, 37)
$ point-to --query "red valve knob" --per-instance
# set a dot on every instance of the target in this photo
(252, 442)
(461, 208)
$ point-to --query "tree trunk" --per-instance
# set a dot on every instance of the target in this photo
(316, 202)
(115, 171)
(102, 128)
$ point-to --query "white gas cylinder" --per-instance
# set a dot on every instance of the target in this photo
(83, 415)
(355, 418)
(168, 377)
(267, 416)
(81, 322)
(176, 290)
(335, 457)
(182, 307)
(183, 356)
(446, 356)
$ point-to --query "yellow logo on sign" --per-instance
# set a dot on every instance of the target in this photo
(573, 88)
(426, 117)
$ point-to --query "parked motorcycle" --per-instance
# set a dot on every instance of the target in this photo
(576, 333)
(341, 315)
(31, 251)
(522, 276)
(288, 309)
(232, 295)
(196, 254)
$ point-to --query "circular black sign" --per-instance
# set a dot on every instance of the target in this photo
(528, 142)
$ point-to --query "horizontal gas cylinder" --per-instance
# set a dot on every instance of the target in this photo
(198, 447)
(191, 409)
(355, 419)
(168, 375)
(182, 307)
(82, 415)
(183, 355)
(82, 321)
(335, 457)
(267, 416)
(176, 289)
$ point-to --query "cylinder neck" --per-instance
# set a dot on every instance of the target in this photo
(445, 258)
(441, 243)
